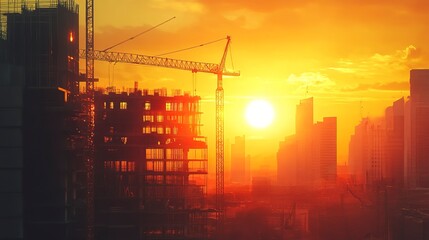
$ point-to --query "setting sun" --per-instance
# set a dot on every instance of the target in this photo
(259, 113)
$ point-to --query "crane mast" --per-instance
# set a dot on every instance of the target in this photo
(89, 109)
(220, 144)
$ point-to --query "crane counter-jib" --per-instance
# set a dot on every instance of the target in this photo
(157, 61)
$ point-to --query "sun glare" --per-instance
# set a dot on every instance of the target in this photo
(259, 113)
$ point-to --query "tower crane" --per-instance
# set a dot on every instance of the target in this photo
(218, 69)
(89, 150)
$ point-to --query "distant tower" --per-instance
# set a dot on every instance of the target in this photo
(326, 154)
(304, 128)
(393, 162)
(419, 96)
(238, 160)
(287, 162)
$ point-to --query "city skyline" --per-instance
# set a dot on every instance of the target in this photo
(288, 120)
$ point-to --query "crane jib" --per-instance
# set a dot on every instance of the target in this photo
(157, 61)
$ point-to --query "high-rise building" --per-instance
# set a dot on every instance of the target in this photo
(419, 104)
(40, 56)
(326, 150)
(287, 162)
(238, 160)
(357, 151)
(409, 167)
(304, 131)
(11, 152)
(366, 150)
(393, 159)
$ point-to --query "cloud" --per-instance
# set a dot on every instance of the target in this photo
(390, 86)
(381, 64)
(314, 79)
(410, 53)
(401, 58)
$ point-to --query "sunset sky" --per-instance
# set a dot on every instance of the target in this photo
(352, 56)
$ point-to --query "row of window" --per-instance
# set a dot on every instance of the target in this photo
(111, 105)
(168, 118)
(120, 166)
(176, 153)
(169, 106)
(174, 166)
(160, 130)
(157, 166)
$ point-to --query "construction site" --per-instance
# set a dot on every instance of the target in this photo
(98, 164)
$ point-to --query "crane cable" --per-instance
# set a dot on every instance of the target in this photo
(133, 37)
(189, 48)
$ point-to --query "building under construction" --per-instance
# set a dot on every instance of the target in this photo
(150, 162)
(39, 167)
(150, 166)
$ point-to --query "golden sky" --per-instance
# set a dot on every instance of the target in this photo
(352, 56)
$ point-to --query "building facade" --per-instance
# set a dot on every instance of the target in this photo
(238, 160)
(419, 104)
(151, 167)
(326, 150)
(39, 51)
(394, 158)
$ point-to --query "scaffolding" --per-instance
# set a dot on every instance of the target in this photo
(150, 167)
(20, 6)
(41, 38)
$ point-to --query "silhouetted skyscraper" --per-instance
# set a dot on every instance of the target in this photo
(419, 97)
(366, 152)
(11, 152)
(393, 161)
(357, 151)
(238, 160)
(326, 145)
(287, 162)
(303, 129)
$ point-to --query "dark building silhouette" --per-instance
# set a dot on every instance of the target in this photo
(394, 160)
(11, 151)
(303, 130)
(238, 160)
(419, 104)
(326, 150)
(39, 71)
(287, 162)
(44, 39)
(366, 149)
(151, 167)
